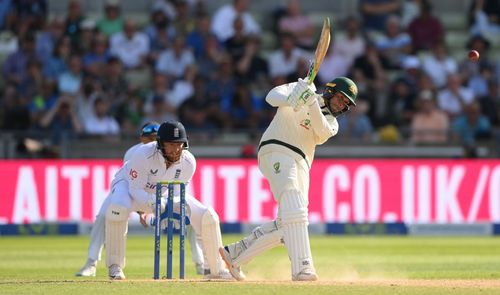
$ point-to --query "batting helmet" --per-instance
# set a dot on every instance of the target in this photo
(343, 85)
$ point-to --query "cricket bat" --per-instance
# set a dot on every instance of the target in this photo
(321, 49)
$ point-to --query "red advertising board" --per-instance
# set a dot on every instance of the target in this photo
(411, 191)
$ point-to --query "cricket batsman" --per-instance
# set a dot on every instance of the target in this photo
(133, 189)
(303, 120)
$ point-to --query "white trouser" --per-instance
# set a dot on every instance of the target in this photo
(289, 181)
(286, 175)
(97, 233)
(196, 244)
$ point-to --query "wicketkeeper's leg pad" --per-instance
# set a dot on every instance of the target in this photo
(212, 240)
(116, 235)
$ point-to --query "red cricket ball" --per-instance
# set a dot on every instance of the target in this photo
(473, 55)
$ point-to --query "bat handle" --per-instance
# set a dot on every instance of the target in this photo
(310, 78)
(310, 74)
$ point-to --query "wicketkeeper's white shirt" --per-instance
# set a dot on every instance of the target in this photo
(146, 167)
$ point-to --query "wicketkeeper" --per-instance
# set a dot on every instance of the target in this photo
(303, 120)
(133, 189)
(147, 135)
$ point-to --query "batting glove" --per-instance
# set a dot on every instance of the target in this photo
(302, 94)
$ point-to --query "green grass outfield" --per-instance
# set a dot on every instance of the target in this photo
(345, 264)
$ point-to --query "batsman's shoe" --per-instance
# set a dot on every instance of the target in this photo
(234, 270)
(224, 275)
(115, 273)
(305, 275)
(88, 270)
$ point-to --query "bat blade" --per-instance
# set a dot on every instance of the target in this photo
(321, 49)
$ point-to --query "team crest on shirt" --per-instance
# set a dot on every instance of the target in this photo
(177, 173)
(306, 123)
(276, 167)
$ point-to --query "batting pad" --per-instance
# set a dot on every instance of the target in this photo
(293, 213)
(212, 241)
(116, 235)
(262, 238)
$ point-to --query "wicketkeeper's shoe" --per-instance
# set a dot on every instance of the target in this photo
(234, 270)
(115, 273)
(88, 270)
(305, 275)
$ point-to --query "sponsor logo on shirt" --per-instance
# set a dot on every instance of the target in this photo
(153, 172)
(177, 173)
(306, 123)
(133, 173)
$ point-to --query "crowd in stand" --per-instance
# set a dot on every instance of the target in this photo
(76, 76)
